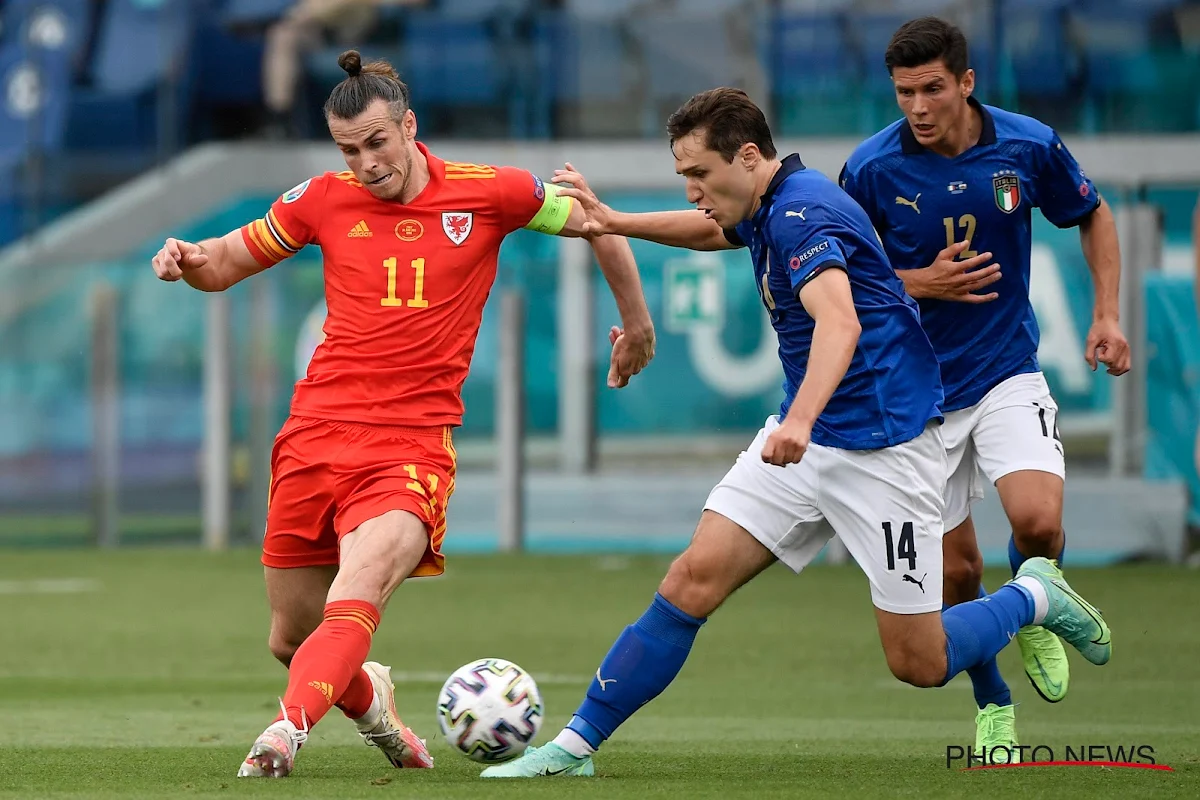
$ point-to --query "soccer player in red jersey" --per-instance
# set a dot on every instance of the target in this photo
(364, 466)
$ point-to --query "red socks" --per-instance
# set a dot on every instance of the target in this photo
(356, 700)
(327, 668)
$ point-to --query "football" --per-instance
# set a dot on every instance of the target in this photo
(490, 710)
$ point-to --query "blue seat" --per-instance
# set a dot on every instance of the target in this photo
(1116, 46)
(227, 66)
(57, 25)
(1149, 7)
(683, 54)
(33, 94)
(579, 60)
(574, 61)
(140, 45)
(11, 207)
(874, 32)
(1035, 43)
(252, 13)
(451, 61)
(810, 52)
(815, 72)
(483, 9)
(34, 89)
(143, 48)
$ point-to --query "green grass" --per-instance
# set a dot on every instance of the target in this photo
(73, 529)
(153, 679)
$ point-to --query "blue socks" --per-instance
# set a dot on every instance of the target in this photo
(977, 631)
(642, 662)
(986, 680)
(1016, 558)
(648, 655)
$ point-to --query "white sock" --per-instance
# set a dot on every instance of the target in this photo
(371, 718)
(573, 743)
(1041, 603)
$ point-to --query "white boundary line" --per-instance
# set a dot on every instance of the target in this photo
(50, 586)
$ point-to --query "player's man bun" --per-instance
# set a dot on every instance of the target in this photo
(363, 85)
(351, 61)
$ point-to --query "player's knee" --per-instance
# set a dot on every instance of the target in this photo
(923, 670)
(1037, 533)
(916, 657)
(691, 587)
(370, 582)
(962, 574)
(283, 645)
(378, 556)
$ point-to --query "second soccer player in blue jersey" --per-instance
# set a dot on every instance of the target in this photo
(950, 189)
(855, 450)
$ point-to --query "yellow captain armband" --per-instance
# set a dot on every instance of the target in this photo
(552, 217)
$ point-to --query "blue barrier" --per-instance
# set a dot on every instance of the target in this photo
(1173, 383)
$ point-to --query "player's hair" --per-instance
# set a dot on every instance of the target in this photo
(921, 41)
(363, 84)
(729, 119)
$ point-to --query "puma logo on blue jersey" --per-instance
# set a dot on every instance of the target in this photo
(900, 201)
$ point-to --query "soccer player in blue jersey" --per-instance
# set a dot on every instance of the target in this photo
(856, 448)
(950, 189)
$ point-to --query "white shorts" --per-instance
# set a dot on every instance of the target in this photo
(1013, 428)
(885, 505)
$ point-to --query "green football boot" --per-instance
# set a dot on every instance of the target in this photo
(1046, 663)
(1070, 616)
(996, 733)
(540, 762)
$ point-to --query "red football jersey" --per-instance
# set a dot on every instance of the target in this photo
(405, 285)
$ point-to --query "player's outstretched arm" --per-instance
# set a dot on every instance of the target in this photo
(692, 230)
(633, 342)
(1106, 344)
(828, 300)
(212, 265)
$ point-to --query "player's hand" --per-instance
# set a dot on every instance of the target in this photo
(631, 352)
(787, 444)
(1108, 346)
(572, 184)
(176, 257)
(948, 279)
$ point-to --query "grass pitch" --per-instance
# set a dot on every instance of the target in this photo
(145, 674)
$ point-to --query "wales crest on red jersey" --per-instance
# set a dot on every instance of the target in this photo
(457, 225)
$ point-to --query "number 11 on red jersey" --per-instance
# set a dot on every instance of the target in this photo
(418, 299)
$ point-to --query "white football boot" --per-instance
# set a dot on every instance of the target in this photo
(274, 752)
(381, 726)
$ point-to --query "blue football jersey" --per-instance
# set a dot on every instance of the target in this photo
(920, 202)
(806, 225)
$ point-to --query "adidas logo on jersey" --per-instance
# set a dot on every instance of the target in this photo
(360, 231)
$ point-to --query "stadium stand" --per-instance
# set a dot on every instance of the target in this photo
(148, 78)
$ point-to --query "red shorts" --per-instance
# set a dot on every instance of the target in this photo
(328, 477)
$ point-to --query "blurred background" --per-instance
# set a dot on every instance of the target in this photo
(133, 411)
